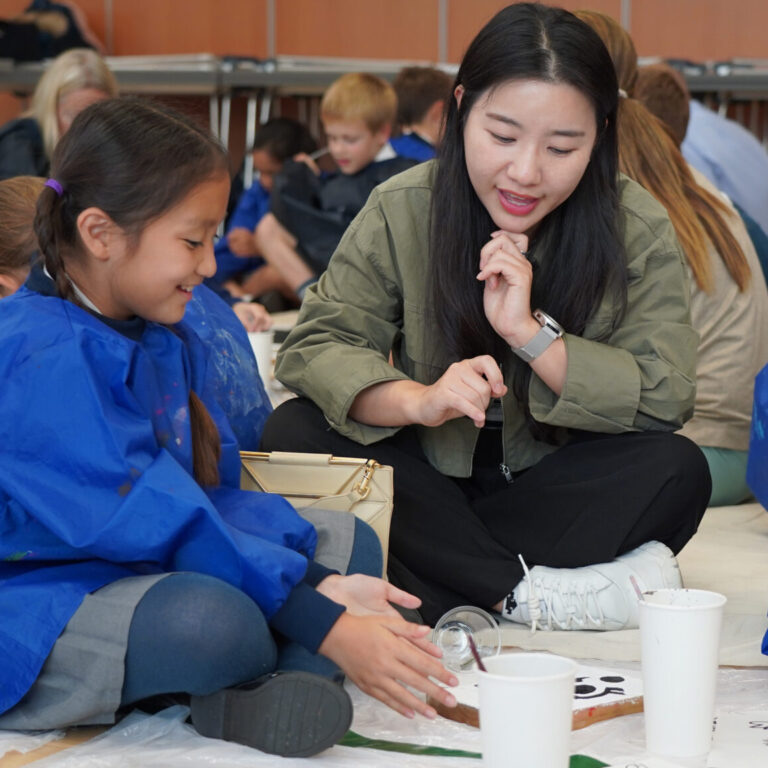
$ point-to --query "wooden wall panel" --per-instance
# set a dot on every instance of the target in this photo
(94, 13)
(396, 29)
(466, 18)
(9, 8)
(376, 29)
(700, 30)
(10, 107)
(151, 27)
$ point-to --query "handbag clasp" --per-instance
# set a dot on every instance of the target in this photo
(363, 487)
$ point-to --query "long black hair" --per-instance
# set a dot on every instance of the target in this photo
(135, 160)
(584, 254)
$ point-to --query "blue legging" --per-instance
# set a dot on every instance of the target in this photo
(196, 634)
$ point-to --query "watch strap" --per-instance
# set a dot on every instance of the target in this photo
(550, 331)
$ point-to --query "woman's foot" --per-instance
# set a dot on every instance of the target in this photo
(600, 597)
(292, 714)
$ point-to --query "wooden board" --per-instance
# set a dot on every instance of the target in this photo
(74, 736)
(600, 693)
(464, 713)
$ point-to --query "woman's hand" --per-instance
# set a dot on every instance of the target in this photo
(465, 389)
(507, 295)
(382, 655)
(365, 595)
(241, 242)
(253, 316)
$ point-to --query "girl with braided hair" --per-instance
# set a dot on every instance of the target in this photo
(131, 563)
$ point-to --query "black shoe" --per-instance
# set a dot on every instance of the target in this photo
(292, 714)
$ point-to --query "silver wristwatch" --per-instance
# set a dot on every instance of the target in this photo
(550, 330)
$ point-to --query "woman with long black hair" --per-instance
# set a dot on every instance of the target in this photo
(509, 328)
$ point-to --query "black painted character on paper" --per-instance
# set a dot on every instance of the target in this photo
(609, 686)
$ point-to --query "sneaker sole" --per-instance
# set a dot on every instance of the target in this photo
(294, 714)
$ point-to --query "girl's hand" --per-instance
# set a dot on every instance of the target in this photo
(365, 595)
(465, 389)
(253, 316)
(241, 242)
(507, 295)
(382, 655)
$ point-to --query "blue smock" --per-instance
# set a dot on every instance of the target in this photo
(237, 385)
(96, 472)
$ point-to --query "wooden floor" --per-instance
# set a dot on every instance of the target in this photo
(73, 737)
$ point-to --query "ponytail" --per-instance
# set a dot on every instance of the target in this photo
(206, 443)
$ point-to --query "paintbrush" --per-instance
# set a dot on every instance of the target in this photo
(475, 653)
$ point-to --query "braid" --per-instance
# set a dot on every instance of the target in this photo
(50, 232)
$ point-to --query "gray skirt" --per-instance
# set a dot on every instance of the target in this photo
(81, 681)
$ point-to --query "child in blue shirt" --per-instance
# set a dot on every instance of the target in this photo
(131, 564)
(239, 267)
(421, 96)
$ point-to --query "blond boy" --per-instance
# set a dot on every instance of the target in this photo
(310, 211)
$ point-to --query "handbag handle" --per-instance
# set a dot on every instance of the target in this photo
(301, 459)
(361, 488)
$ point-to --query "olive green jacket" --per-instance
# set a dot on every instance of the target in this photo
(370, 301)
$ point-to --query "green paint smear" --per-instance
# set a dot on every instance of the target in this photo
(352, 739)
(16, 556)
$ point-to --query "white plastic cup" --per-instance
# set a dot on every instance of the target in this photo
(261, 344)
(680, 642)
(526, 710)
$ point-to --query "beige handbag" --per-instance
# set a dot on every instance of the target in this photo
(327, 482)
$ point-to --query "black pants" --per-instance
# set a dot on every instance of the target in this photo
(455, 541)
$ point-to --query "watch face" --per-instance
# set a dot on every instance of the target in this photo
(547, 322)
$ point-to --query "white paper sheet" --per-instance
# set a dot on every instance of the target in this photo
(645, 762)
(740, 740)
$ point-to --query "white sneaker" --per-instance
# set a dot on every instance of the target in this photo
(599, 597)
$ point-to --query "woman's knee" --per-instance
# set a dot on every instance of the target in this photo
(683, 478)
(685, 464)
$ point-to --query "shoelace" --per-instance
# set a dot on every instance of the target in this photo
(575, 602)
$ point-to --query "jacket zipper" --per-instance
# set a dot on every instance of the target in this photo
(505, 470)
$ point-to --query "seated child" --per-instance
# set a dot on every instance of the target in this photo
(310, 212)
(240, 269)
(235, 380)
(18, 245)
(421, 96)
(131, 564)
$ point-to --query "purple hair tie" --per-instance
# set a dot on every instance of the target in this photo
(55, 186)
